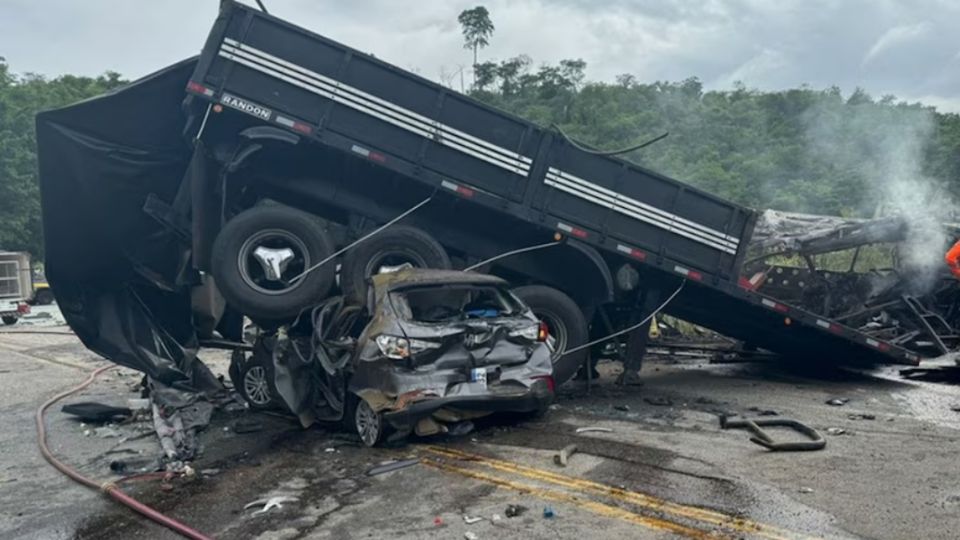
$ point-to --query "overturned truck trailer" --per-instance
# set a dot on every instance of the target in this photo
(153, 189)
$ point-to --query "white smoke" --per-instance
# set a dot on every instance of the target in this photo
(884, 146)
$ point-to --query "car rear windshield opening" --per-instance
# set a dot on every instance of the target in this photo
(454, 303)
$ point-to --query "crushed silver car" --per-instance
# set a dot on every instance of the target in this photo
(430, 350)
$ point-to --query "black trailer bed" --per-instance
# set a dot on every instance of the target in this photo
(284, 75)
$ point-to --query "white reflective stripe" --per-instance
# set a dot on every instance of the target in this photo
(671, 224)
(360, 150)
(641, 207)
(624, 249)
(823, 323)
(285, 121)
(610, 202)
(512, 167)
(564, 227)
(450, 131)
(449, 185)
(873, 342)
(768, 303)
(681, 270)
(374, 106)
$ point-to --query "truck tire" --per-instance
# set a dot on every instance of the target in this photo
(395, 246)
(255, 245)
(566, 323)
(10, 320)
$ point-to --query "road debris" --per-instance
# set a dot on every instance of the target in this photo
(548, 512)
(836, 431)
(95, 412)
(659, 401)
(861, 416)
(624, 408)
(593, 429)
(392, 466)
(515, 510)
(805, 490)
(107, 432)
(247, 425)
(815, 442)
(470, 520)
(561, 458)
(269, 504)
(470, 535)
(838, 402)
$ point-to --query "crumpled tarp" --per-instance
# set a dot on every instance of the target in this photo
(99, 161)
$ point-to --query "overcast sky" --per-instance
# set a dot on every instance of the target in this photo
(907, 48)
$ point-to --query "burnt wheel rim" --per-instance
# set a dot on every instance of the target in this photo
(557, 334)
(388, 260)
(270, 261)
(368, 423)
(256, 387)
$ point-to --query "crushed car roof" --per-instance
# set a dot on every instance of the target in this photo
(419, 276)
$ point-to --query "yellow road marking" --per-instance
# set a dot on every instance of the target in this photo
(653, 503)
(604, 510)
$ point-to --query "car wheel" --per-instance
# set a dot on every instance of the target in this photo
(259, 255)
(369, 424)
(44, 297)
(254, 383)
(392, 248)
(566, 325)
(10, 320)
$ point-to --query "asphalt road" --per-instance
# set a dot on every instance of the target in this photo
(665, 469)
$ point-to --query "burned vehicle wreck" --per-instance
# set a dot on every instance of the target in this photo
(429, 349)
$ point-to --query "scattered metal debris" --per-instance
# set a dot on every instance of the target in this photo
(659, 401)
(838, 402)
(861, 416)
(394, 466)
(470, 520)
(515, 510)
(560, 458)
(836, 431)
(269, 504)
(593, 429)
(624, 408)
(470, 535)
(805, 490)
(816, 442)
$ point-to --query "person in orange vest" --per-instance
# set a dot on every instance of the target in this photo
(953, 260)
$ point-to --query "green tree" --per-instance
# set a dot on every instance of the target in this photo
(21, 98)
(477, 29)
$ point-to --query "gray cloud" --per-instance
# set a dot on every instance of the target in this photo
(907, 48)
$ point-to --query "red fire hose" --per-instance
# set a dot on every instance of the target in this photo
(109, 488)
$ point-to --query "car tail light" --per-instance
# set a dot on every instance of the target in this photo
(551, 384)
(23, 308)
(534, 332)
(543, 332)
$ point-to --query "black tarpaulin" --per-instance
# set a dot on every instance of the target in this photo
(112, 266)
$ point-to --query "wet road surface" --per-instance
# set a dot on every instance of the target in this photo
(664, 470)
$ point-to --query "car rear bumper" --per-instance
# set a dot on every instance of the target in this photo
(537, 397)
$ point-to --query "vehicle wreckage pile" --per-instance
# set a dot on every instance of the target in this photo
(275, 181)
(908, 301)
